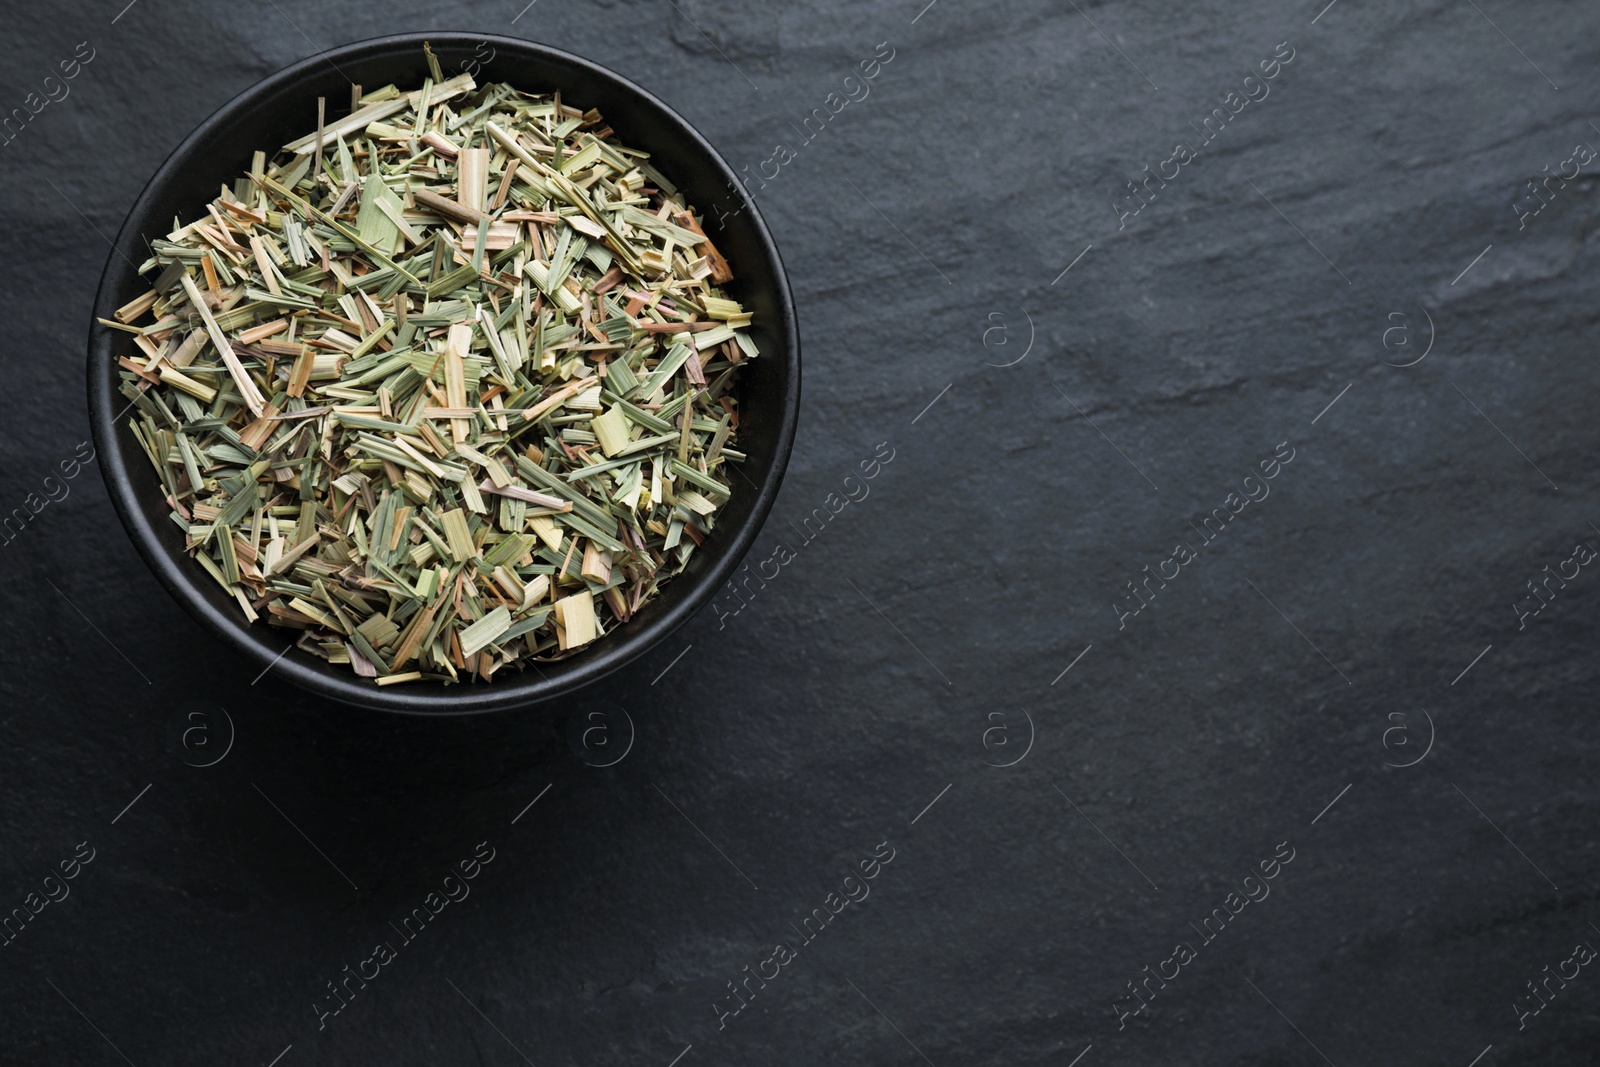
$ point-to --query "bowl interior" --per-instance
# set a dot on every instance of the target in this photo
(284, 107)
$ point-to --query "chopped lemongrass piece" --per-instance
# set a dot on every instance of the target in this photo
(611, 430)
(575, 621)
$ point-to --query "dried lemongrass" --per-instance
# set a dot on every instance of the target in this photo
(445, 386)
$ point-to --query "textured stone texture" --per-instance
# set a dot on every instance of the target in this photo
(816, 724)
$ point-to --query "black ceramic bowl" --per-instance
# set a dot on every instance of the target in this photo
(284, 107)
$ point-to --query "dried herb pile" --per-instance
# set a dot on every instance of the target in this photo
(446, 386)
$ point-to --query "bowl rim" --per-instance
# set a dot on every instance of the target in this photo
(182, 577)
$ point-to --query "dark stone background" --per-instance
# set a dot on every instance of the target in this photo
(993, 548)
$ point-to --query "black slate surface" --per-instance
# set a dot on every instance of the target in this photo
(1342, 675)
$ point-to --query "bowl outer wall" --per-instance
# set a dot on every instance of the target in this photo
(282, 107)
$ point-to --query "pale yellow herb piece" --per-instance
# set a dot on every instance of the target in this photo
(547, 530)
(457, 534)
(611, 429)
(179, 380)
(455, 382)
(575, 621)
(247, 388)
(596, 564)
